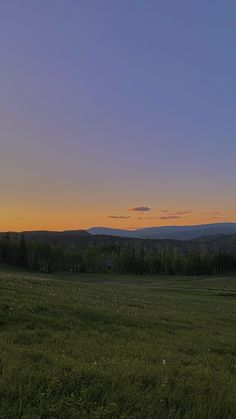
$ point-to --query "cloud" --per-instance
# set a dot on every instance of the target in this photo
(120, 217)
(175, 212)
(216, 215)
(170, 217)
(219, 213)
(140, 209)
(164, 214)
(174, 215)
(182, 212)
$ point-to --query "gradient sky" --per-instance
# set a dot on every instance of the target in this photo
(110, 106)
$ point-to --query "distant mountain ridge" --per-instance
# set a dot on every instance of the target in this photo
(179, 233)
(82, 239)
(169, 232)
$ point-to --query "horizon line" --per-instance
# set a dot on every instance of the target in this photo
(115, 228)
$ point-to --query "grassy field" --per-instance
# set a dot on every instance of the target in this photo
(87, 346)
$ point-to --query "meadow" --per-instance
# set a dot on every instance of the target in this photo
(103, 346)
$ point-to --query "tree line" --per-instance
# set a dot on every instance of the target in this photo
(101, 258)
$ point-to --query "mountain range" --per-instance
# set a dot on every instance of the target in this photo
(208, 238)
(168, 232)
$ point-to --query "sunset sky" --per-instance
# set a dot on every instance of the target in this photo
(117, 113)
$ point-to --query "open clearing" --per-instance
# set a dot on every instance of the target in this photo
(91, 346)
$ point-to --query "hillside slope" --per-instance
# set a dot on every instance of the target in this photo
(169, 232)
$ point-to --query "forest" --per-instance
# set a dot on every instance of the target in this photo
(133, 257)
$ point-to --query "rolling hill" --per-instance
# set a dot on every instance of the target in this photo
(82, 239)
(169, 232)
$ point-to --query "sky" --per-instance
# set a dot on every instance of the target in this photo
(117, 113)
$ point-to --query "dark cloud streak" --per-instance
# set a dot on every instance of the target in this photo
(140, 209)
(119, 217)
(170, 217)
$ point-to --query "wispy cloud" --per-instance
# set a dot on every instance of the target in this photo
(120, 217)
(182, 212)
(163, 214)
(175, 212)
(170, 217)
(140, 209)
(152, 218)
(219, 213)
(216, 215)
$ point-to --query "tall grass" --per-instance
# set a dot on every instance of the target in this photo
(106, 347)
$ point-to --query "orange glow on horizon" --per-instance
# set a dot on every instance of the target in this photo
(68, 220)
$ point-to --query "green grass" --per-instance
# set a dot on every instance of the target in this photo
(90, 346)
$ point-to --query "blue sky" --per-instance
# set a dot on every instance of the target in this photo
(110, 105)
